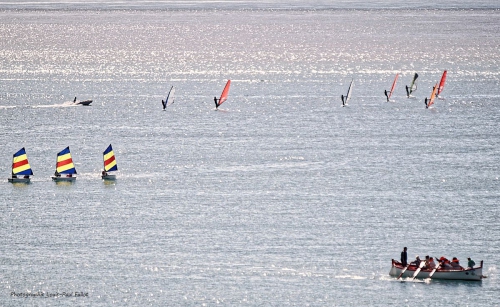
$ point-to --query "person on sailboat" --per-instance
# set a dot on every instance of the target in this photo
(57, 174)
(216, 100)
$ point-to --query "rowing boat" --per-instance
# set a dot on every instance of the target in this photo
(445, 274)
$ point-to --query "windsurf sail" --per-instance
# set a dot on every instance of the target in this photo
(389, 94)
(20, 164)
(109, 160)
(225, 92)
(64, 163)
(170, 98)
(430, 101)
(346, 98)
(441, 83)
(413, 86)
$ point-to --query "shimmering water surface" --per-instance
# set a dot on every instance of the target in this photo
(282, 197)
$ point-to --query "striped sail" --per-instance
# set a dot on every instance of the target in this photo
(225, 93)
(20, 164)
(109, 160)
(64, 163)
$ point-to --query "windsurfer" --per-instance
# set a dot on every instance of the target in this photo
(163, 104)
(385, 92)
(216, 100)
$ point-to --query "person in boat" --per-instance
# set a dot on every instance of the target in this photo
(216, 101)
(57, 174)
(416, 262)
(26, 177)
(470, 263)
(404, 257)
(427, 262)
(69, 175)
(432, 264)
(445, 263)
(455, 264)
(104, 173)
(14, 176)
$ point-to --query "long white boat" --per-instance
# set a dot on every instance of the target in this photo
(466, 274)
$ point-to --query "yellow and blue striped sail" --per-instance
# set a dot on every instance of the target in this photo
(20, 164)
(109, 160)
(64, 163)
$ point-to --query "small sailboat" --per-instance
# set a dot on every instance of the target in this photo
(413, 86)
(223, 96)
(430, 101)
(64, 166)
(441, 84)
(108, 157)
(389, 94)
(20, 167)
(346, 98)
(170, 98)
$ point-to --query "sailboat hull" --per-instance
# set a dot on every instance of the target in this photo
(19, 180)
(63, 179)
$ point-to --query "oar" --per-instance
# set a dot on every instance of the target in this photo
(403, 271)
(422, 263)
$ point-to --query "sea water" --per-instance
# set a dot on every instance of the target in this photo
(282, 196)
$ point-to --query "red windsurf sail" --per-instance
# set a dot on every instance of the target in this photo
(389, 94)
(225, 92)
(441, 83)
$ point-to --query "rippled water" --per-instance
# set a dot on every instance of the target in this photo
(282, 197)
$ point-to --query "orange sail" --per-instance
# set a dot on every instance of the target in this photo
(441, 83)
(225, 92)
(429, 102)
